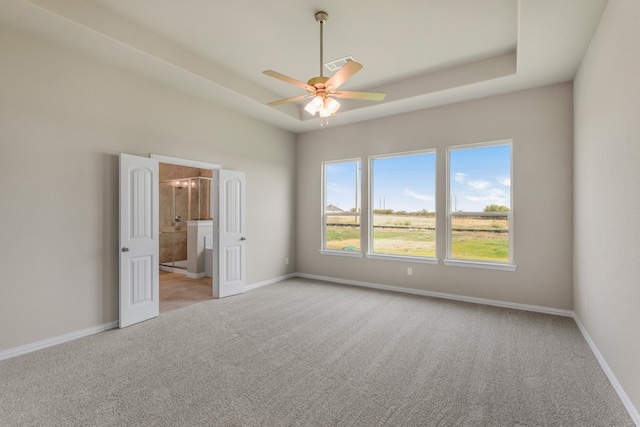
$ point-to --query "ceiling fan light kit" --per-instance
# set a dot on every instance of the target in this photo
(325, 107)
(323, 90)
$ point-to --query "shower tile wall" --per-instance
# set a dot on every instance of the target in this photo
(168, 172)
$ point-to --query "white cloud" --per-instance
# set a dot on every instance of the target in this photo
(504, 180)
(460, 177)
(493, 197)
(479, 185)
(415, 195)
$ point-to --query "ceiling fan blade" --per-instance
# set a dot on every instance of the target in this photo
(367, 96)
(342, 75)
(288, 79)
(284, 101)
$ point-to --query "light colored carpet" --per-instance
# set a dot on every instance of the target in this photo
(302, 352)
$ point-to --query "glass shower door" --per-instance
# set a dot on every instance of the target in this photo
(167, 203)
(173, 228)
(180, 218)
(181, 200)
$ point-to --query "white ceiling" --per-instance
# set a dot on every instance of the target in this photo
(422, 53)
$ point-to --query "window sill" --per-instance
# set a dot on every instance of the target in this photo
(423, 260)
(349, 254)
(480, 264)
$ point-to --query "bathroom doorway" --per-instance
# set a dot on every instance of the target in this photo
(186, 235)
(185, 201)
(139, 266)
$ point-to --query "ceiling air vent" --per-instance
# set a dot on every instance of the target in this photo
(338, 63)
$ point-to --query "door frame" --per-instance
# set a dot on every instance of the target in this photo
(185, 162)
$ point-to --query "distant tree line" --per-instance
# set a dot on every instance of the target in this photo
(496, 208)
(426, 213)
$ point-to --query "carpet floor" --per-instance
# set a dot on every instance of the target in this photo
(310, 353)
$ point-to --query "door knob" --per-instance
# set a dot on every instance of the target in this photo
(243, 238)
(125, 249)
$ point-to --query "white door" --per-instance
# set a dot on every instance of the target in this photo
(231, 234)
(139, 289)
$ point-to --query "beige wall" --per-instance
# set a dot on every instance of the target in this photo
(539, 122)
(607, 192)
(64, 118)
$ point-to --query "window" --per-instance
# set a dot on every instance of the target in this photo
(402, 205)
(341, 207)
(479, 205)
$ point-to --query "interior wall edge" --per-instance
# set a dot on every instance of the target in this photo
(607, 131)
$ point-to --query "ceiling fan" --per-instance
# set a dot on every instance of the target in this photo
(323, 90)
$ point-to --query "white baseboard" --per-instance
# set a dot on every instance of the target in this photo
(50, 342)
(269, 282)
(517, 306)
(195, 275)
(173, 270)
(631, 409)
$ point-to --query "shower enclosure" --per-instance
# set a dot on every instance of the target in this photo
(181, 200)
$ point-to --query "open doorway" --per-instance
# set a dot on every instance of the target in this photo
(139, 293)
(186, 235)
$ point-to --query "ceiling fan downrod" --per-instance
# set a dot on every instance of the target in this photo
(321, 18)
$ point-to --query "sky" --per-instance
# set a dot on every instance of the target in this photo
(405, 183)
(340, 184)
(478, 177)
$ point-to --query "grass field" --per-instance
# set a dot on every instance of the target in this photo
(473, 237)
(474, 243)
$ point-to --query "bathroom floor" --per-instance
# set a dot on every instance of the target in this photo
(177, 290)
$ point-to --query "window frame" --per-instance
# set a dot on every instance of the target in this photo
(460, 262)
(323, 213)
(370, 254)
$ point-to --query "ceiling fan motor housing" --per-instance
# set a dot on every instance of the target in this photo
(317, 80)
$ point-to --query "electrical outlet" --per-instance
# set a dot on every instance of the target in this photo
(286, 260)
(409, 271)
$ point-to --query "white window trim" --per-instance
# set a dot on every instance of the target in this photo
(341, 252)
(403, 258)
(459, 262)
(323, 238)
(393, 257)
(480, 264)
